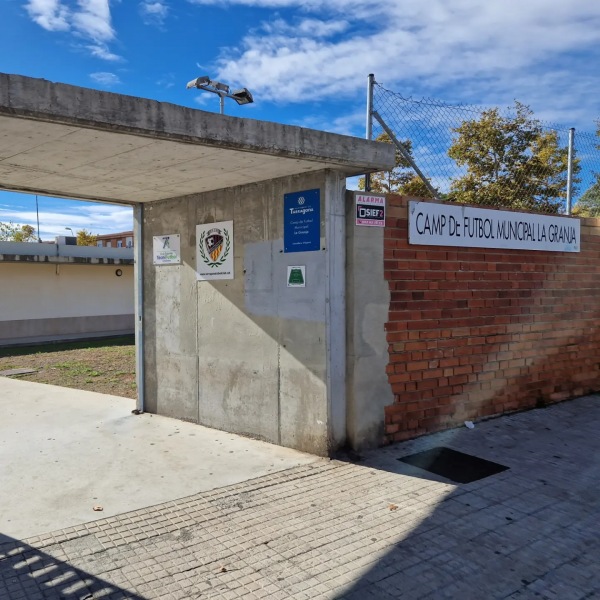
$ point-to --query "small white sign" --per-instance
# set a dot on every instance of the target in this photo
(296, 276)
(166, 249)
(430, 223)
(214, 251)
(370, 210)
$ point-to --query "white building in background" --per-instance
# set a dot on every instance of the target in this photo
(56, 292)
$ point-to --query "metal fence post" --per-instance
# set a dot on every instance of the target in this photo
(570, 159)
(370, 82)
(138, 254)
(406, 155)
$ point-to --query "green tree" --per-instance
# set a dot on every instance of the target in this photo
(589, 203)
(510, 161)
(86, 238)
(7, 232)
(401, 179)
(17, 233)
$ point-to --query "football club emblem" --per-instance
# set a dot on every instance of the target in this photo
(214, 246)
(214, 251)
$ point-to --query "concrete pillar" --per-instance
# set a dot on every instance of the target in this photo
(335, 306)
(368, 302)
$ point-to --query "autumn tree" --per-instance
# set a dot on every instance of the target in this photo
(510, 161)
(401, 179)
(17, 233)
(86, 238)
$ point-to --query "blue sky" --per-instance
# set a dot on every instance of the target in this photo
(305, 61)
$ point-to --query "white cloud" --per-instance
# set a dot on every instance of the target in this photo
(97, 218)
(167, 81)
(206, 99)
(88, 19)
(105, 79)
(344, 124)
(102, 51)
(309, 27)
(325, 50)
(154, 13)
(93, 20)
(49, 14)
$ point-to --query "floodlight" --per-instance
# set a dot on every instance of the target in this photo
(242, 96)
(222, 87)
(199, 81)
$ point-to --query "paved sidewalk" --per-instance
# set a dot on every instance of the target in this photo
(64, 451)
(374, 530)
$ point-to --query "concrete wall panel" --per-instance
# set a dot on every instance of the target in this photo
(259, 345)
(27, 331)
(176, 384)
(50, 291)
(368, 301)
(303, 390)
(238, 379)
(265, 283)
(45, 302)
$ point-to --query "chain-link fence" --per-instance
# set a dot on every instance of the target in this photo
(491, 156)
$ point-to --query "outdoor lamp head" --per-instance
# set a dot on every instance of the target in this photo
(198, 82)
(221, 87)
(242, 96)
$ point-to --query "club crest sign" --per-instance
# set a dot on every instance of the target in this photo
(214, 251)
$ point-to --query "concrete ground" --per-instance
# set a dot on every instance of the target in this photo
(378, 529)
(64, 451)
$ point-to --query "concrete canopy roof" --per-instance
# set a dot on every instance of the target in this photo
(72, 142)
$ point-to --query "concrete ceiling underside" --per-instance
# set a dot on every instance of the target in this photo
(66, 161)
(70, 142)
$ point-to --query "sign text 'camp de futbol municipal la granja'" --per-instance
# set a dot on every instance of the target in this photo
(436, 224)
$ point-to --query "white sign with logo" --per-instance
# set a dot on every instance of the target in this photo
(430, 223)
(166, 249)
(214, 251)
(370, 210)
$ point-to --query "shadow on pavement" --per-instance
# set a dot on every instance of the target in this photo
(27, 573)
(531, 531)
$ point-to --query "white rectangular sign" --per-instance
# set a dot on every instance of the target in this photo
(435, 224)
(214, 251)
(166, 249)
(370, 210)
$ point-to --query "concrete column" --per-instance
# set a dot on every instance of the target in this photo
(368, 303)
(335, 306)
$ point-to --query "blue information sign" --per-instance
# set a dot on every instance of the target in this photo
(302, 221)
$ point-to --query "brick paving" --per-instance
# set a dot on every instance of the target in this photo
(377, 529)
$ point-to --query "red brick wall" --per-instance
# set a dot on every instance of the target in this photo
(477, 332)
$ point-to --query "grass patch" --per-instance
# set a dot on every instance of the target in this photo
(106, 366)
